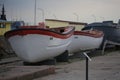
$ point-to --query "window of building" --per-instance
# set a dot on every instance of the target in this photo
(2, 25)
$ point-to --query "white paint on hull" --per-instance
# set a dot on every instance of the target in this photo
(81, 42)
(36, 47)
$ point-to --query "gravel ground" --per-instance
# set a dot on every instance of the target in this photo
(105, 67)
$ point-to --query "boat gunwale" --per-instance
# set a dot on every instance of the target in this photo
(103, 25)
(91, 33)
(49, 32)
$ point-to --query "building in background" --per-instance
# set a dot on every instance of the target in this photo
(3, 16)
(78, 25)
(52, 23)
(8, 25)
(4, 26)
(17, 24)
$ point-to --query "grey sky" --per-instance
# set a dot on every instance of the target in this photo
(86, 10)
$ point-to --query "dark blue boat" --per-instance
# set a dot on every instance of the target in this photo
(111, 30)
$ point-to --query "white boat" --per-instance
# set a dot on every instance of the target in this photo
(38, 44)
(86, 40)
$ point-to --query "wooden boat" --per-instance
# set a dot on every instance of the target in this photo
(111, 30)
(86, 40)
(37, 44)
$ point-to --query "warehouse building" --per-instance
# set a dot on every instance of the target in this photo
(52, 23)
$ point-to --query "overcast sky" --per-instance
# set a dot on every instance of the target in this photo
(71, 10)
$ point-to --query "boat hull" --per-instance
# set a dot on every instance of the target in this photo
(33, 47)
(111, 33)
(81, 42)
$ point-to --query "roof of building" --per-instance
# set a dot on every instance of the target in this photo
(70, 22)
(4, 21)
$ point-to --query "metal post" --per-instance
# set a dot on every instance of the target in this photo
(35, 13)
(104, 45)
(43, 14)
(86, 68)
(87, 59)
(77, 17)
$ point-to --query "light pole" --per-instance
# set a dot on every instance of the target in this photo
(0, 5)
(102, 18)
(54, 16)
(94, 17)
(35, 13)
(43, 17)
(77, 17)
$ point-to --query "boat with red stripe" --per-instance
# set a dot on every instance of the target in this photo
(86, 40)
(34, 44)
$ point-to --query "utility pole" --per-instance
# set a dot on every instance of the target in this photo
(94, 17)
(35, 13)
(43, 14)
(77, 17)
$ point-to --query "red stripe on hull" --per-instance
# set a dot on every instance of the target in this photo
(48, 32)
(93, 33)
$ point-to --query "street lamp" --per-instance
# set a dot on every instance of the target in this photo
(102, 18)
(94, 17)
(43, 19)
(76, 16)
(54, 16)
(35, 13)
(0, 5)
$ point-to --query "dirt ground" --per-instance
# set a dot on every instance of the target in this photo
(106, 67)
